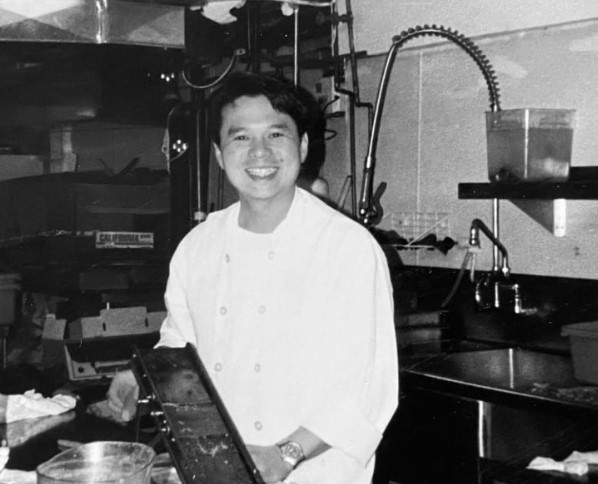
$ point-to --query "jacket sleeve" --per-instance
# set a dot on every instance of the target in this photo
(357, 379)
(177, 328)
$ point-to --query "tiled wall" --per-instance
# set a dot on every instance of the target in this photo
(433, 137)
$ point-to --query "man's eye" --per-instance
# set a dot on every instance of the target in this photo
(240, 137)
(276, 134)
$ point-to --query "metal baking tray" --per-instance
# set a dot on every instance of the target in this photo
(195, 426)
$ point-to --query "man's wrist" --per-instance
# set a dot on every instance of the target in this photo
(291, 452)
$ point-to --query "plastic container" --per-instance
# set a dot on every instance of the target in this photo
(9, 288)
(529, 144)
(583, 338)
(100, 462)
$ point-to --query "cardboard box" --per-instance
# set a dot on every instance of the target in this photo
(98, 347)
(17, 166)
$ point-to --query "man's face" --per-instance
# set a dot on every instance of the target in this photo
(260, 150)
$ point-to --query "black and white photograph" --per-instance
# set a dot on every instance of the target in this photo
(298, 242)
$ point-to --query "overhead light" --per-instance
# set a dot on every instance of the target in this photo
(167, 76)
(179, 146)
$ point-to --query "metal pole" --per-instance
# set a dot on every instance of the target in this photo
(253, 36)
(496, 230)
(352, 151)
(296, 48)
(4, 356)
(202, 158)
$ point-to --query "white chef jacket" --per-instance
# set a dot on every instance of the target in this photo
(295, 328)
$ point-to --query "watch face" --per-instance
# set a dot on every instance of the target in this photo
(293, 450)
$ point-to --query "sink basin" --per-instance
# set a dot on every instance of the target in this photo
(506, 368)
(417, 344)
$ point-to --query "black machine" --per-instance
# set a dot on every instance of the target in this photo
(194, 425)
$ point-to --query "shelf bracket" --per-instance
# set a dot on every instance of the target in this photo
(551, 214)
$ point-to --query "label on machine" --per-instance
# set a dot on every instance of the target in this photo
(124, 240)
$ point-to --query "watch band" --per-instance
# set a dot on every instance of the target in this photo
(291, 452)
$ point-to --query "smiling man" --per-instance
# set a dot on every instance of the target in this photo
(288, 301)
(261, 151)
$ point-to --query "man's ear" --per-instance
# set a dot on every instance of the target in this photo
(218, 155)
(304, 146)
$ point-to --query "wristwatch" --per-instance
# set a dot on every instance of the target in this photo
(291, 452)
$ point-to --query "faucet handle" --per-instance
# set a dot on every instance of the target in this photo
(484, 292)
(518, 300)
(517, 304)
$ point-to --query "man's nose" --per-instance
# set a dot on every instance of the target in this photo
(259, 148)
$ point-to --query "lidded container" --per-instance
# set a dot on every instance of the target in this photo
(583, 338)
(102, 462)
(529, 144)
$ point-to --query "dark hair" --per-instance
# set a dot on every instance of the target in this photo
(283, 96)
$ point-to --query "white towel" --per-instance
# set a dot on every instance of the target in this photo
(4, 454)
(33, 405)
(219, 10)
(26, 410)
(9, 476)
(576, 463)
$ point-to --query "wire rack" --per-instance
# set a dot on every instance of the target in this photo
(414, 226)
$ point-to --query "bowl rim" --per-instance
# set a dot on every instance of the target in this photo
(43, 468)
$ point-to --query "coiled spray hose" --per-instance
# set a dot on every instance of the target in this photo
(370, 211)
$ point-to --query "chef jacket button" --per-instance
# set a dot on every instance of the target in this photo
(226, 258)
(261, 309)
(257, 367)
(258, 425)
(223, 310)
(218, 367)
(271, 255)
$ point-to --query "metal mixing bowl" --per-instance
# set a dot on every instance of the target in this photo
(100, 462)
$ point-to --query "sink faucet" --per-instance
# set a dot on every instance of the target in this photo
(499, 276)
(474, 240)
(498, 279)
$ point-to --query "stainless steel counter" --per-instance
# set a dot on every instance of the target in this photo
(506, 375)
(481, 415)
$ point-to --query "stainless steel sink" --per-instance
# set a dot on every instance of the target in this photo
(506, 368)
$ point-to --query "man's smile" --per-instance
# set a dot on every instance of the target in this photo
(261, 172)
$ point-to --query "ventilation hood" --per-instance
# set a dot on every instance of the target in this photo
(65, 61)
(93, 21)
(74, 60)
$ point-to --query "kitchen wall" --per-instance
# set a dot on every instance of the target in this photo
(433, 131)
(375, 26)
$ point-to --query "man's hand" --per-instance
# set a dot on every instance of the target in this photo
(269, 462)
(123, 394)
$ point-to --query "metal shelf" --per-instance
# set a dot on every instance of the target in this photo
(545, 202)
(572, 190)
